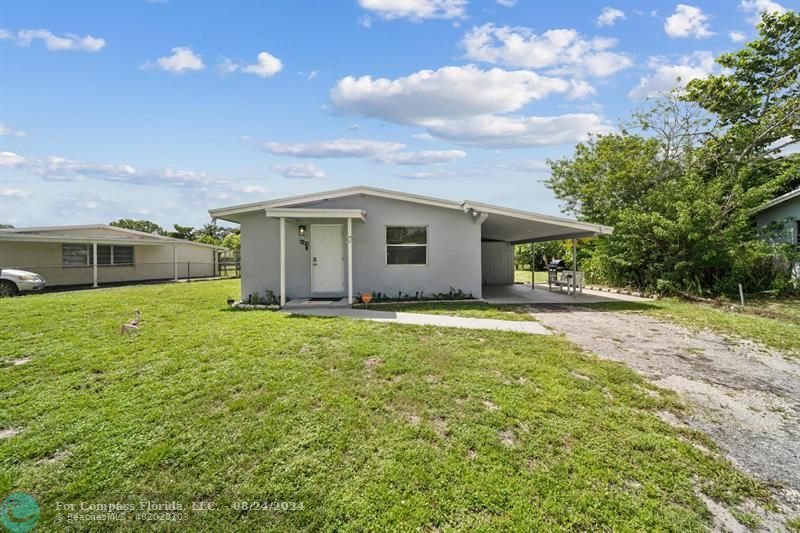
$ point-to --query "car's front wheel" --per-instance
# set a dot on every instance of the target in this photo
(8, 288)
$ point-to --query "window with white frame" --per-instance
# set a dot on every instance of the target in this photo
(81, 255)
(75, 255)
(115, 255)
(406, 245)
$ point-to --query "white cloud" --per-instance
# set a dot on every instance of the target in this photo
(507, 3)
(737, 36)
(182, 59)
(10, 159)
(580, 89)
(520, 131)
(466, 105)
(562, 49)
(665, 76)
(14, 193)
(688, 21)
(365, 21)
(53, 42)
(756, 7)
(252, 189)
(415, 10)
(304, 170)
(334, 149)
(609, 16)
(56, 168)
(424, 157)
(266, 65)
(378, 151)
(227, 66)
(5, 131)
(450, 92)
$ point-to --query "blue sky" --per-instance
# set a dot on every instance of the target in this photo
(164, 109)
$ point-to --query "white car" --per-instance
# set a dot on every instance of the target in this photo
(13, 281)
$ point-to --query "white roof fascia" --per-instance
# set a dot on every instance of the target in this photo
(599, 229)
(299, 212)
(779, 200)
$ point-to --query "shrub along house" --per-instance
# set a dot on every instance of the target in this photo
(348, 241)
(96, 254)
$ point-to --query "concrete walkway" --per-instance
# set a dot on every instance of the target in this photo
(419, 319)
(523, 294)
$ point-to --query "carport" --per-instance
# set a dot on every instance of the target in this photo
(502, 228)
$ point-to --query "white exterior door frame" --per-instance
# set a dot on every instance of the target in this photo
(333, 279)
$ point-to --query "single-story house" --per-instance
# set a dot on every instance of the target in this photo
(97, 254)
(782, 216)
(363, 239)
(779, 222)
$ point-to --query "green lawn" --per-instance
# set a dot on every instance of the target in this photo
(367, 426)
(780, 331)
(524, 276)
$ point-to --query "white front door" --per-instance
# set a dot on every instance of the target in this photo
(327, 258)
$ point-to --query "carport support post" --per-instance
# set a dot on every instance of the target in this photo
(574, 264)
(175, 261)
(94, 265)
(349, 261)
(283, 261)
(533, 268)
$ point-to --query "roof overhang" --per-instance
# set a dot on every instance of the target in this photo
(517, 227)
(85, 239)
(779, 200)
(232, 214)
(497, 223)
(300, 212)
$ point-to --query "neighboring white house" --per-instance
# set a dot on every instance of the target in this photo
(97, 254)
(362, 239)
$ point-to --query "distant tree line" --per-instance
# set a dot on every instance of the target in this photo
(209, 234)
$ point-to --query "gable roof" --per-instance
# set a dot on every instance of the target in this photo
(100, 233)
(529, 226)
(779, 200)
(330, 195)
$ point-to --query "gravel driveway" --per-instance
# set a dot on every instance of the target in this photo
(742, 394)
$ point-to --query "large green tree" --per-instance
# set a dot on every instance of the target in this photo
(679, 184)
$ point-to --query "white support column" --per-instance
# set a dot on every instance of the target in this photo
(574, 265)
(283, 261)
(94, 264)
(533, 268)
(175, 261)
(350, 261)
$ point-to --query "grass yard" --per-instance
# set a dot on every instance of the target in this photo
(779, 330)
(524, 276)
(366, 426)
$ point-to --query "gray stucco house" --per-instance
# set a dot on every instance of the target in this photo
(363, 239)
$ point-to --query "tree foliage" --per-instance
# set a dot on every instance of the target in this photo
(139, 225)
(680, 183)
(208, 234)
